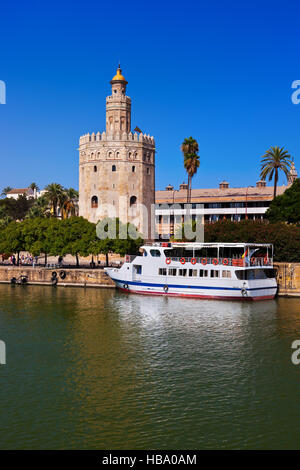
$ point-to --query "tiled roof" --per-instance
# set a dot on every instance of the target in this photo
(218, 195)
(18, 191)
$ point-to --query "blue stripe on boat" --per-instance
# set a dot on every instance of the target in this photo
(189, 287)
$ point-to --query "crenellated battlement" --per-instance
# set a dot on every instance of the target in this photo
(116, 137)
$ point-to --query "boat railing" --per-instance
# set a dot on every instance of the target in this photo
(238, 262)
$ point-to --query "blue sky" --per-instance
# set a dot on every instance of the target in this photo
(218, 71)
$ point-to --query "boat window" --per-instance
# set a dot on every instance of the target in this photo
(137, 268)
(155, 253)
(270, 273)
(193, 272)
(226, 273)
(250, 274)
(172, 272)
(162, 271)
(203, 273)
(214, 273)
(182, 272)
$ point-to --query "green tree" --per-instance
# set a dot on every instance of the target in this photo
(5, 191)
(274, 160)
(43, 235)
(191, 161)
(12, 239)
(285, 238)
(17, 209)
(78, 234)
(116, 237)
(286, 208)
(34, 187)
(54, 194)
(4, 218)
(40, 208)
(69, 204)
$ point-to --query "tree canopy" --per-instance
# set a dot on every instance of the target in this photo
(15, 208)
(191, 161)
(286, 208)
(285, 238)
(274, 160)
(75, 236)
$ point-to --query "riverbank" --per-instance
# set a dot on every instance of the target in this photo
(288, 277)
(66, 277)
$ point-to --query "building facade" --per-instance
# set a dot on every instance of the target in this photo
(16, 192)
(211, 205)
(117, 167)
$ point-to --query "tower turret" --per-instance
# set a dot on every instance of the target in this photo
(118, 106)
(293, 175)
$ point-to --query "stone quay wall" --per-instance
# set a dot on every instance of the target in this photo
(74, 277)
(288, 278)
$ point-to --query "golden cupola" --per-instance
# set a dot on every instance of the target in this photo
(119, 77)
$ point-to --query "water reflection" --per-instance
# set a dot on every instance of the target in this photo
(91, 368)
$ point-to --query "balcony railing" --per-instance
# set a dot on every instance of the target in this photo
(203, 261)
(237, 262)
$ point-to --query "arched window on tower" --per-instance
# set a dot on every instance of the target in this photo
(113, 168)
(133, 169)
(132, 201)
(95, 168)
(94, 202)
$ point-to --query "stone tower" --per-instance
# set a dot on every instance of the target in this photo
(117, 167)
(293, 175)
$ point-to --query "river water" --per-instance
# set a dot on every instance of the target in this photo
(98, 369)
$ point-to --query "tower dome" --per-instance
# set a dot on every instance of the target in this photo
(119, 77)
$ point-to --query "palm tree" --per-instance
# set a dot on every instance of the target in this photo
(34, 188)
(54, 194)
(68, 203)
(6, 190)
(190, 149)
(40, 208)
(275, 159)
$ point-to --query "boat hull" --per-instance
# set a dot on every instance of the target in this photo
(202, 292)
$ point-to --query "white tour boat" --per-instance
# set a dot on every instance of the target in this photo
(201, 270)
